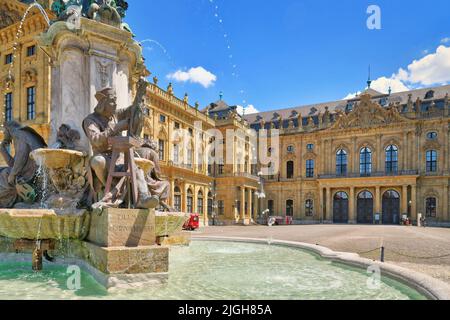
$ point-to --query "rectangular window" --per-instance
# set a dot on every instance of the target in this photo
(310, 168)
(8, 106)
(162, 149)
(431, 161)
(221, 207)
(310, 147)
(431, 208)
(31, 51)
(176, 125)
(9, 58)
(31, 103)
(162, 118)
(176, 154)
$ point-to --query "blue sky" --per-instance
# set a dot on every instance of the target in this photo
(277, 54)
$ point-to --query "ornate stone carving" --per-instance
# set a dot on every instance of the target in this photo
(104, 71)
(29, 76)
(8, 17)
(367, 114)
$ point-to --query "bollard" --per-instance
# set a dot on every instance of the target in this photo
(382, 254)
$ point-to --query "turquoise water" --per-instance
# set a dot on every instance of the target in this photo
(218, 270)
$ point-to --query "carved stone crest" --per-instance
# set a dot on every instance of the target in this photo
(367, 114)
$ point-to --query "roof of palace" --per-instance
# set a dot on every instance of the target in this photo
(424, 94)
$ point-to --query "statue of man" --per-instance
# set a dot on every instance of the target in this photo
(21, 168)
(104, 123)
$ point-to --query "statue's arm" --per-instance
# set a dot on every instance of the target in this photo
(96, 137)
(6, 156)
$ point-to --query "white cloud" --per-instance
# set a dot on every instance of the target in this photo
(250, 109)
(445, 40)
(194, 75)
(433, 69)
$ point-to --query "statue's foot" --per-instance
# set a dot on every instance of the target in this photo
(148, 202)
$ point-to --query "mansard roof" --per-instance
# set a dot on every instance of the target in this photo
(341, 105)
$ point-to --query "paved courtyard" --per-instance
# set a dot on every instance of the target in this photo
(425, 250)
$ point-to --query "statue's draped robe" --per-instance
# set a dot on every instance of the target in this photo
(25, 141)
(156, 186)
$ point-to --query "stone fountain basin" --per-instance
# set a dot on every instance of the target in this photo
(170, 223)
(57, 158)
(25, 224)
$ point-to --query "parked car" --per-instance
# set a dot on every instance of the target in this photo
(193, 223)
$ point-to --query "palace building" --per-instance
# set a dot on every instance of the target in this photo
(372, 159)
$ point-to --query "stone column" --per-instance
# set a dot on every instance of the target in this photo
(329, 213)
(355, 155)
(378, 205)
(249, 204)
(172, 188)
(379, 152)
(242, 213)
(444, 208)
(404, 200)
(205, 207)
(321, 215)
(351, 206)
(414, 203)
(404, 152)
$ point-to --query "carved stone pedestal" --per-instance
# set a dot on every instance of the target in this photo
(123, 242)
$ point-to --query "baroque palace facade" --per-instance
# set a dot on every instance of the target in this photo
(374, 158)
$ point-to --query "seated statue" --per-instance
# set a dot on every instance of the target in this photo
(104, 123)
(16, 180)
(157, 186)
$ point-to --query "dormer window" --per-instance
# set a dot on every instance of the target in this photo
(429, 94)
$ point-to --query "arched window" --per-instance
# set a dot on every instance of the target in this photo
(341, 163)
(309, 208)
(210, 204)
(431, 161)
(290, 208)
(391, 159)
(310, 168)
(200, 203)
(177, 199)
(190, 201)
(431, 207)
(365, 162)
(290, 169)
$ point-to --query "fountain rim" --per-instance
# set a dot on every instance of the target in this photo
(431, 288)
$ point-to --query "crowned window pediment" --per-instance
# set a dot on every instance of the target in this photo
(367, 114)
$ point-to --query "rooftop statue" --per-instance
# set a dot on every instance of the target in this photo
(17, 180)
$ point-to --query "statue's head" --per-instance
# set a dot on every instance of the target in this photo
(107, 102)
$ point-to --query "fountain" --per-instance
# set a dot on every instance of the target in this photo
(51, 215)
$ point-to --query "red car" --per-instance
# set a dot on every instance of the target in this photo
(193, 223)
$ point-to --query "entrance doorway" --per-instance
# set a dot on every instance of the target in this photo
(365, 208)
(340, 208)
(391, 207)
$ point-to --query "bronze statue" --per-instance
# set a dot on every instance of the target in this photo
(104, 123)
(16, 180)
